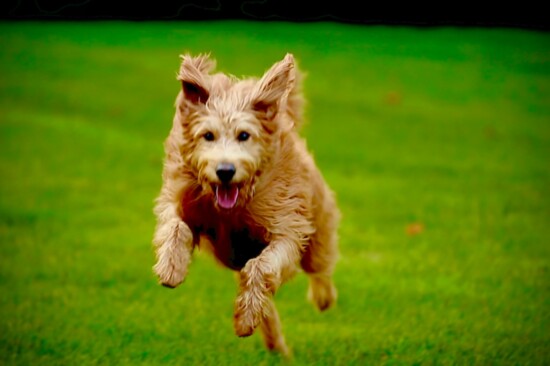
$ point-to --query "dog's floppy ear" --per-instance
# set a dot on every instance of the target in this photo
(194, 78)
(273, 87)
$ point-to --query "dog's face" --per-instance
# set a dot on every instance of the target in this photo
(230, 126)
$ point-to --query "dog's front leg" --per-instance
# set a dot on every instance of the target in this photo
(259, 279)
(174, 245)
(173, 238)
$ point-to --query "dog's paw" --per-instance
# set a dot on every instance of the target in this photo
(169, 275)
(322, 292)
(244, 326)
(246, 318)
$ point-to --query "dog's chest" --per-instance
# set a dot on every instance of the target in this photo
(233, 240)
(235, 246)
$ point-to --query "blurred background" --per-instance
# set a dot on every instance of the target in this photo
(434, 132)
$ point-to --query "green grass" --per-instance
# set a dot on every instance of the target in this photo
(445, 127)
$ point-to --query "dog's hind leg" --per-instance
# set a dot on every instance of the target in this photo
(321, 292)
(318, 262)
(271, 329)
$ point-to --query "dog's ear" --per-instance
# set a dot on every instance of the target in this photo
(273, 88)
(194, 78)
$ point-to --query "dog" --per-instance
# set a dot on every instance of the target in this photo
(239, 181)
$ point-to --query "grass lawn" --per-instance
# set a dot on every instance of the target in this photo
(436, 141)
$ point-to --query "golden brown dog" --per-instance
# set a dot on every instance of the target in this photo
(239, 181)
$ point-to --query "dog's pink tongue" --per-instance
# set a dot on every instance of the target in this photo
(227, 196)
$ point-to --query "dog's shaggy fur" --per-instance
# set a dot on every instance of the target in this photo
(238, 180)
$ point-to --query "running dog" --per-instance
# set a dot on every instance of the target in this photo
(239, 181)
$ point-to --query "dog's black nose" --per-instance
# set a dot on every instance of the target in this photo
(225, 171)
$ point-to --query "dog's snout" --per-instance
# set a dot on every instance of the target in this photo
(225, 171)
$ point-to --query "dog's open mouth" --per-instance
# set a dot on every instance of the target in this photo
(227, 195)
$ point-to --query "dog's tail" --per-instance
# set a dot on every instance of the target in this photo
(295, 100)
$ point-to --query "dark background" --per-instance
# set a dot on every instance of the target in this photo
(512, 14)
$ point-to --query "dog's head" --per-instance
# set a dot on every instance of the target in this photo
(231, 127)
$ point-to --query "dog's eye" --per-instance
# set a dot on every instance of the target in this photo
(243, 136)
(209, 136)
